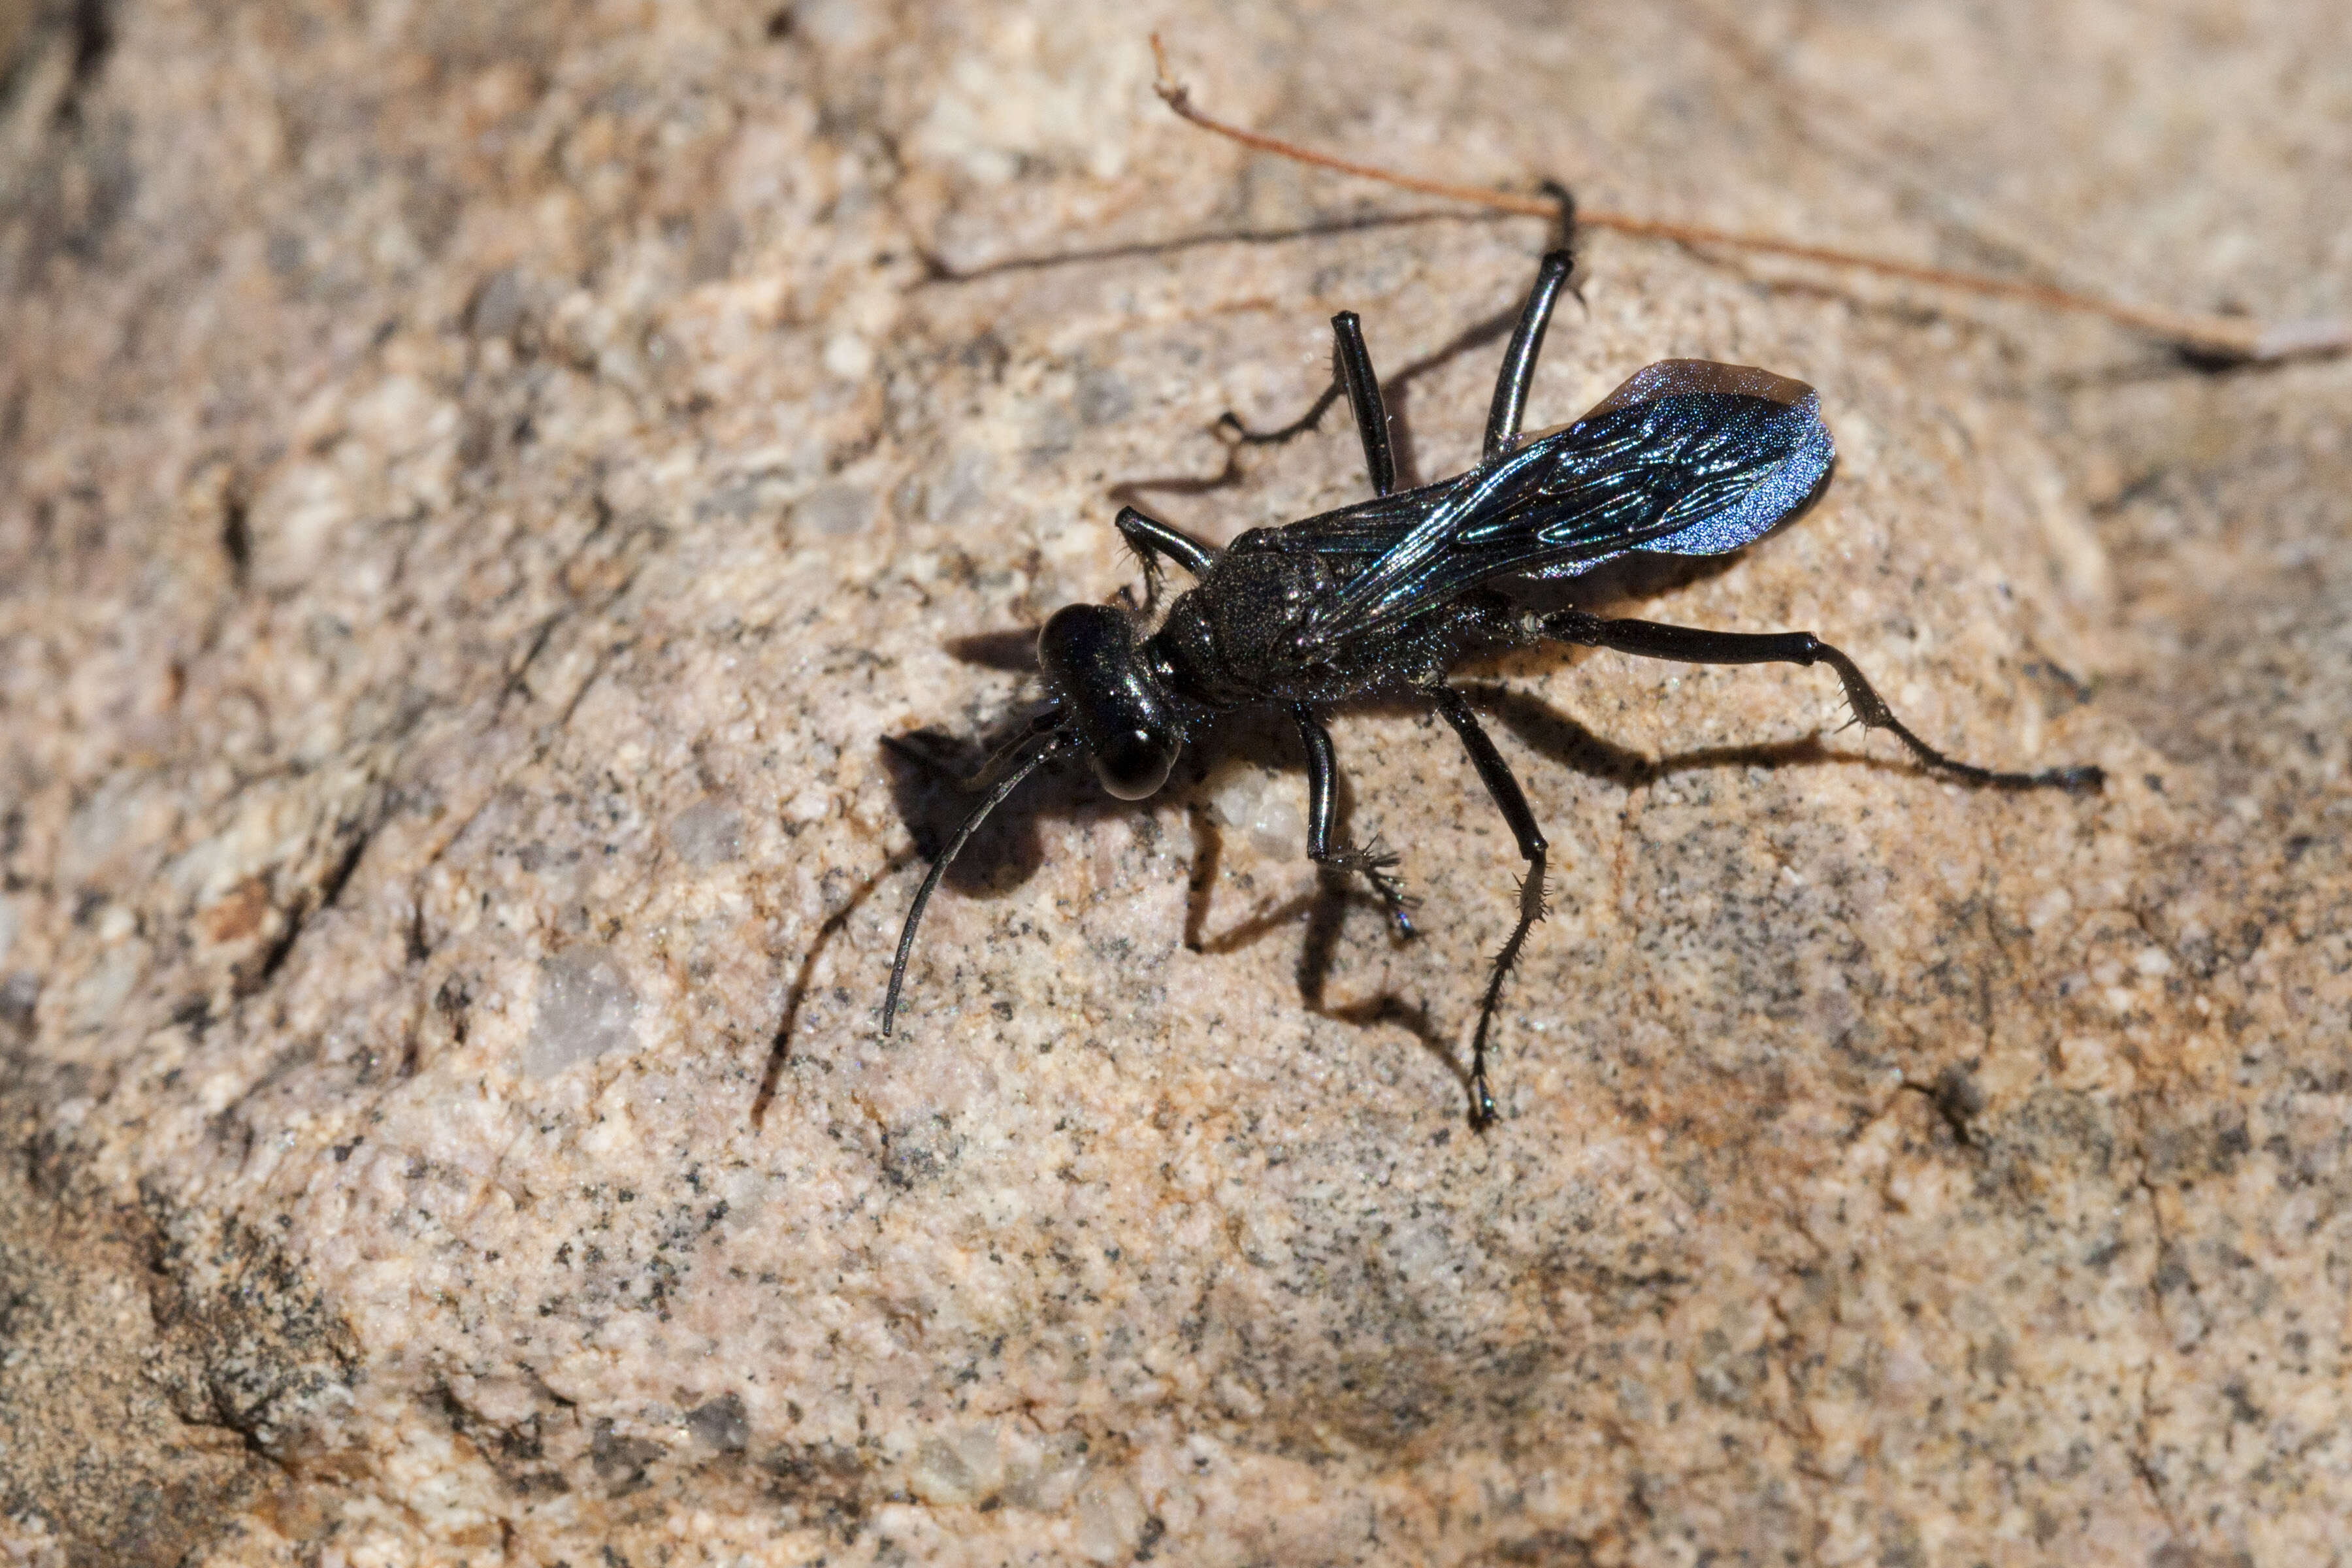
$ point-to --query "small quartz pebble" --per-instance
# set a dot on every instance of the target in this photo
(586, 1007)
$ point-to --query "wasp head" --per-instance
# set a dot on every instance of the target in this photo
(1123, 715)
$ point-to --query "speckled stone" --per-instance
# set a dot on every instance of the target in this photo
(477, 482)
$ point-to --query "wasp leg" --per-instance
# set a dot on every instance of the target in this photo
(1510, 406)
(1151, 539)
(1689, 645)
(1322, 796)
(1513, 804)
(1351, 368)
(1564, 220)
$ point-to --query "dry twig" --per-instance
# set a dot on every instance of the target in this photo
(2224, 337)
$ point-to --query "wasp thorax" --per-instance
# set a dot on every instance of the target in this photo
(1089, 653)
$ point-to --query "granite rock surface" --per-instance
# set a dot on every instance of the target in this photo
(477, 483)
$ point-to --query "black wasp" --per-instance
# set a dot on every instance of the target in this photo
(1381, 598)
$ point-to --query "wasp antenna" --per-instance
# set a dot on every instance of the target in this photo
(1059, 740)
(1048, 722)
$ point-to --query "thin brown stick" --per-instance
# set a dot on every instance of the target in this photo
(2231, 336)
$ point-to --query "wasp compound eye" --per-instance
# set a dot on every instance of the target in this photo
(1089, 653)
(1134, 765)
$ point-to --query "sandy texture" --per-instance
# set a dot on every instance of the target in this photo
(476, 483)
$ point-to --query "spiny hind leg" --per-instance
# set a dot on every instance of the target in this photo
(1513, 802)
(1689, 644)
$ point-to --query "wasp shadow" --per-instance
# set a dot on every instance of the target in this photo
(797, 995)
(1554, 736)
(938, 780)
(1012, 652)
(939, 271)
(1266, 740)
(931, 774)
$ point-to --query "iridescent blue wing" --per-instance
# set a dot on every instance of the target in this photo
(1688, 457)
